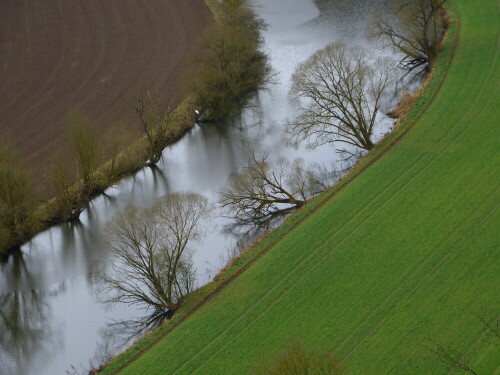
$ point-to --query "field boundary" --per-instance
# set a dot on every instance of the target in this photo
(269, 240)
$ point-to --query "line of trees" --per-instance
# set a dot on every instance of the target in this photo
(339, 90)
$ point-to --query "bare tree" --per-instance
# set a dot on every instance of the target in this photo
(414, 28)
(339, 92)
(150, 253)
(263, 190)
(296, 359)
(86, 151)
(493, 326)
(156, 118)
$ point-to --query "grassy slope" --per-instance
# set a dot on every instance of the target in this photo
(406, 251)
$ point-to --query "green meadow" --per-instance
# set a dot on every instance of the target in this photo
(404, 249)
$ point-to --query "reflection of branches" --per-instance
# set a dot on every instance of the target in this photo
(263, 192)
(103, 354)
(116, 336)
(126, 331)
(23, 326)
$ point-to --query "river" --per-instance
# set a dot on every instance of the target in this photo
(50, 314)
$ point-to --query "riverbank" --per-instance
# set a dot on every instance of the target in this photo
(209, 297)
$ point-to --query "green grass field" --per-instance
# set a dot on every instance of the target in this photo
(406, 250)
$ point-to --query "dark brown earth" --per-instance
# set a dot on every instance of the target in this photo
(92, 56)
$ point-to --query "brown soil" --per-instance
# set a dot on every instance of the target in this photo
(92, 56)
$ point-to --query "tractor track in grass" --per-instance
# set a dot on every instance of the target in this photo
(421, 280)
(405, 280)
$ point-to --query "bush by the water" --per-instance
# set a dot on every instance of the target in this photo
(229, 65)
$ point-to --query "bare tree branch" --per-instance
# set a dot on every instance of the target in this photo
(339, 92)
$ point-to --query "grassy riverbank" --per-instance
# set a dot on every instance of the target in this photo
(371, 269)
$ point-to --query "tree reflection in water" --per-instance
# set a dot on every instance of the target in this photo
(23, 323)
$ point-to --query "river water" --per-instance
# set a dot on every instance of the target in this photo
(50, 314)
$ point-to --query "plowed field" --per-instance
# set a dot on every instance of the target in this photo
(93, 56)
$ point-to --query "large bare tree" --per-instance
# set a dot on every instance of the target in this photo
(150, 252)
(413, 28)
(262, 190)
(339, 91)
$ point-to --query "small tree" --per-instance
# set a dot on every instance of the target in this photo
(262, 190)
(74, 175)
(413, 28)
(296, 359)
(86, 150)
(17, 201)
(122, 157)
(150, 252)
(339, 92)
(156, 120)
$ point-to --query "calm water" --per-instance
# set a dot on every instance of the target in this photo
(50, 314)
